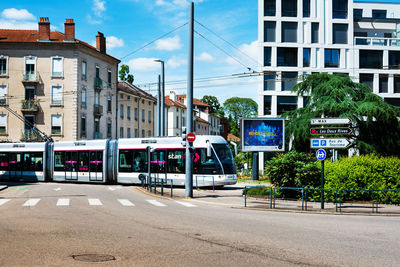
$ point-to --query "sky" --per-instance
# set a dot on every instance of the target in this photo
(225, 39)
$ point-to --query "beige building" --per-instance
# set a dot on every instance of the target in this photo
(61, 85)
(136, 110)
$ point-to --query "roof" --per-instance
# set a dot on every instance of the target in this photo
(32, 36)
(201, 120)
(195, 101)
(232, 137)
(168, 101)
(134, 90)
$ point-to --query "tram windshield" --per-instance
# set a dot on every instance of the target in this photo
(225, 157)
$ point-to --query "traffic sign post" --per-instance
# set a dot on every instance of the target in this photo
(321, 155)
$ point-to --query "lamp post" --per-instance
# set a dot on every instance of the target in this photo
(162, 132)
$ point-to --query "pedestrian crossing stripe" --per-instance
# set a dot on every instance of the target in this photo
(186, 204)
(126, 202)
(31, 202)
(63, 202)
(156, 203)
(95, 202)
(3, 201)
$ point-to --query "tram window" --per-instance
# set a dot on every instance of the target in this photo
(83, 162)
(15, 161)
(4, 161)
(59, 161)
(176, 161)
(125, 160)
(139, 161)
(158, 162)
(33, 161)
(96, 161)
(100, 161)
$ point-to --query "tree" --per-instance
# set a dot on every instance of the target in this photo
(375, 124)
(213, 102)
(236, 108)
(124, 74)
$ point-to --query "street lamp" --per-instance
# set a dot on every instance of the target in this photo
(162, 124)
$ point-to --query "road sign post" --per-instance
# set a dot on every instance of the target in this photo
(321, 155)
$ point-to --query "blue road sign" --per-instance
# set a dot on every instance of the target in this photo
(321, 154)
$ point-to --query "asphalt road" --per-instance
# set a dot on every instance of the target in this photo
(51, 224)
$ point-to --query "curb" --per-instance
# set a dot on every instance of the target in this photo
(2, 187)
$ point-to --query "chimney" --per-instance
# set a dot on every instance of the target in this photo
(44, 29)
(69, 29)
(101, 42)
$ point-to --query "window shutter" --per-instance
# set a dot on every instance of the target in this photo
(3, 120)
(56, 120)
(56, 95)
(57, 66)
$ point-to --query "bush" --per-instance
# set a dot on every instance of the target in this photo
(257, 191)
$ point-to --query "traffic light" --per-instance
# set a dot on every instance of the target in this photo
(184, 133)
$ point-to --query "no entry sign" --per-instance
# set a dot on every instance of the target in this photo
(191, 137)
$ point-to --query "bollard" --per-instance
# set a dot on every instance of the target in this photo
(245, 196)
(213, 184)
(172, 186)
(162, 187)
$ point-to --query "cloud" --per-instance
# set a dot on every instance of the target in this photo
(248, 55)
(169, 44)
(176, 4)
(92, 20)
(17, 19)
(144, 64)
(251, 50)
(98, 7)
(112, 42)
(175, 62)
(15, 14)
(206, 57)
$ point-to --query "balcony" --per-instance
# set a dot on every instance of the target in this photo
(28, 135)
(98, 135)
(3, 101)
(30, 77)
(97, 110)
(30, 105)
(98, 83)
(377, 41)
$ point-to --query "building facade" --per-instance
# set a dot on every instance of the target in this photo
(136, 110)
(57, 83)
(359, 39)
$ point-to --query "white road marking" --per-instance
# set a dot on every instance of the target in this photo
(126, 202)
(156, 203)
(57, 189)
(3, 201)
(94, 202)
(111, 188)
(186, 204)
(63, 202)
(31, 202)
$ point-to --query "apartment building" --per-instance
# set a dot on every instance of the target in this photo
(136, 110)
(359, 39)
(57, 83)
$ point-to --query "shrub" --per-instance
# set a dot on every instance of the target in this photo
(257, 191)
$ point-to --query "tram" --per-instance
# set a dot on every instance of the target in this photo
(118, 161)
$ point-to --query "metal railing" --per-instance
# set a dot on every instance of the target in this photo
(30, 76)
(98, 83)
(97, 110)
(30, 105)
(378, 41)
(205, 176)
(150, 183)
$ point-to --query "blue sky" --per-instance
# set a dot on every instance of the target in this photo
(130, 24)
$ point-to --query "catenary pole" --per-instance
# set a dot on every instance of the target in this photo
(159, 107)
(162, 99)
(189, 159)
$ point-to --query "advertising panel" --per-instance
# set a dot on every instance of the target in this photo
(262, 134)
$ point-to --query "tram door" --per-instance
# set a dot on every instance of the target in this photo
(71, 165)
(15, 165)
(96, 165)
(158, 163)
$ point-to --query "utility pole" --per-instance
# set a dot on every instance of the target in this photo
(189, 159)
(159, 107)
(162, 96)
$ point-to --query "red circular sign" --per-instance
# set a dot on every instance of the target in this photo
(191, 137)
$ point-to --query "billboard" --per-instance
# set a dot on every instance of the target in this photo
(262, 134)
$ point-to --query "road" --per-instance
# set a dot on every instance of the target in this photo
(63, 224)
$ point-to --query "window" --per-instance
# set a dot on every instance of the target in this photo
(3, 123)
(149, 115)
(121, 111)
(267, 56)
(56, 122)
(267, 104)
(378, 14)
(136, 133)
(83, 126)
(393, 101)
(367, 79)
(332, 57)
(306, 8)
(97, 134)
(306, 57)
(97, 72)
(3, 65)
(340, 33)
(30, 68)
(97, 98)
(357, 13)
(109, 128)
(269, 7)
(361, 41)
(109, 104)
(287, 57)
(128, 133)
(339, 8)
(84, 70)
(149, 133)
(289, 8)
(289, 79)
(83, 98)
(109, 77)
(177, 122)
(314, 32)
(136, 115)
(142, 115)
(57, 67)
(56, 95)
(286, 103)
(269, 31)
(383, 83)
(371, 59)
(133, 161)
(3, 94)
(394, 59)
(396, 86)
(176, 160)
(289, 32)
(128, 113)
(269, 81)
(121, 132)
(143, 133)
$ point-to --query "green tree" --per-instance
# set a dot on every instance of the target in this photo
(124, 74)
(213, 102)
(375, 124)
(236, 108)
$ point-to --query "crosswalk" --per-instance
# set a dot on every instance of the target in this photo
(64, 202)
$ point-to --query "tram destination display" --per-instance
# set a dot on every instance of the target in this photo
(262, 134)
